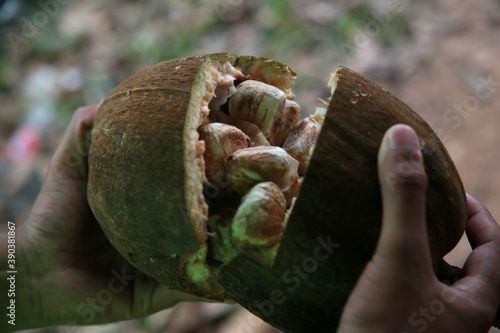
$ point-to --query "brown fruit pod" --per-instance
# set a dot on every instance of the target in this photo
(144, 183)
(145, 190)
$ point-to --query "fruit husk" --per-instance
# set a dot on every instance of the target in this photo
(131, 170)
(137, 191)
(340, 199)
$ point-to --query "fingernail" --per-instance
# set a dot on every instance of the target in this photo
(403, 136)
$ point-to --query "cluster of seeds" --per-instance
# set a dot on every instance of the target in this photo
(256, 150)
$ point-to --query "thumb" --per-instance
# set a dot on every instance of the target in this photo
(403, 240)
(70, 159)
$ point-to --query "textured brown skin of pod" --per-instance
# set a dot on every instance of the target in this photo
(129, 181)
(137, 192)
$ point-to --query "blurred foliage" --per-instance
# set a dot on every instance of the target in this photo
(150, 32)
(361, 19)
(104, 42)
(286, 33)
(4, 84)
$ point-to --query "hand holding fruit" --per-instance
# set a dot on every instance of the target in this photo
(384, 299)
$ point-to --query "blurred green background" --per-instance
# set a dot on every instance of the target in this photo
(57, 55)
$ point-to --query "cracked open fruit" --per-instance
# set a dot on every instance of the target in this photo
(201, 176)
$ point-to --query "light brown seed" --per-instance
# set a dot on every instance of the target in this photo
(291, 115)
(293, 191)
(258, 103)
(249, 166)
(248, 128)
(301, 140)
(221, 140)
(259, 218)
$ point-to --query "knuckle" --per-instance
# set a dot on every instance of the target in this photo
(81, 110)
(85, 114)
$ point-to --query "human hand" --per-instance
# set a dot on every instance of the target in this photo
(398, 290)
(68, 272)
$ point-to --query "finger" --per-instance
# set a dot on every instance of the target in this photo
(481, 227)
(152, 296)
(403, 184)
(70, 159)
(481, 269)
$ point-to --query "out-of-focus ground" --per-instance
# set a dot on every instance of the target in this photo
(441, 57)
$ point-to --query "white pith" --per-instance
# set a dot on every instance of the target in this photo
(195, 267)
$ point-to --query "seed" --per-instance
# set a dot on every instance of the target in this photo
(259, 103)
(291, 115)
(249, 166)
(301, 140)
(221, 140)
(259, 218)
